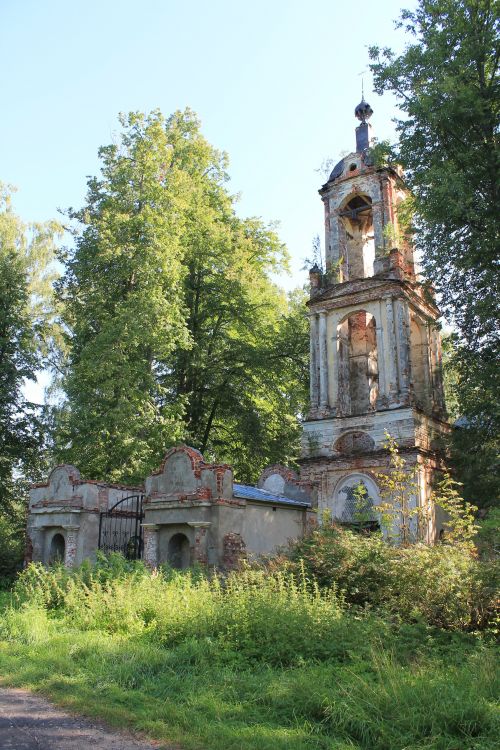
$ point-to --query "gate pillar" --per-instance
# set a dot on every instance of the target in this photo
(71, 542)
(150, 544)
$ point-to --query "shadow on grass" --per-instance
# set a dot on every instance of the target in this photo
(202, 696)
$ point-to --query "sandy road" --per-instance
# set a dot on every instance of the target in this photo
(28, 722)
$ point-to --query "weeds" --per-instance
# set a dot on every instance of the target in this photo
(444, 585)
(260, 660)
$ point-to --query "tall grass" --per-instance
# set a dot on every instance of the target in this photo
(259, 660)
(279, 618)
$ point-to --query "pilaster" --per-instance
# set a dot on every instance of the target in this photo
(36, 535)
(313, 362)
(150, 544)
(71, 545)
(200, 551)
(390, 348)
(323, 363)
(333, 370)
(403, 349)
(436, 369)
(378, 229)
(383, 393)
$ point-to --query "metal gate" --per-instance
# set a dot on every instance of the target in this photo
(120, 528)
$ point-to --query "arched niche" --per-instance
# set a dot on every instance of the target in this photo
(354, 442)
(179, 552)
(57, 549)
(419, 363)
(355, 496)
(357, 238)
(358, 363)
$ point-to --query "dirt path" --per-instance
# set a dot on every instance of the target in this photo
(28, 722)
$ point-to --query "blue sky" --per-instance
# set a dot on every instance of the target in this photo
(274, 83)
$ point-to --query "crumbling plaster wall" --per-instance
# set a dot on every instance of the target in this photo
(181, 497)
(68, 505)
(267, 528)
(330, 475)
(409, 427)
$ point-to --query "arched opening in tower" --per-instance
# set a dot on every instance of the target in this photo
(356, 218)
(358, 364)
(420, 385)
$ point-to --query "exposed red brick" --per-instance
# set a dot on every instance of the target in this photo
(234, 551)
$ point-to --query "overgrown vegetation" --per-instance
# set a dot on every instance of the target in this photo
(442, 585)
(268, 658)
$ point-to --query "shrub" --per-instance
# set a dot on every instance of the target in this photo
(359, 565)
(488, 538)
(443, 585)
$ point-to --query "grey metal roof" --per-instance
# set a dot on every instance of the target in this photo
(248, 492)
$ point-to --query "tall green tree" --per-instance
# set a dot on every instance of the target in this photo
(243, 378)
(447, 86)
(26, 318)
(175, 328)
(121, 307)
(474, 445)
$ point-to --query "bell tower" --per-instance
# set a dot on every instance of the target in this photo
(375, 352)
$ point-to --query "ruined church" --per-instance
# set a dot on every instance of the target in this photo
(375, 368)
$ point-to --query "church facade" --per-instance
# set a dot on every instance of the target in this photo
(375, 369)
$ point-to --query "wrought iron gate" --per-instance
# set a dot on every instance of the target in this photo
(120, 528)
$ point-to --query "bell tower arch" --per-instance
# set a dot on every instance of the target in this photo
(375, 362)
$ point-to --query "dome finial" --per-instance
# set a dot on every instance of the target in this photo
(363, 111)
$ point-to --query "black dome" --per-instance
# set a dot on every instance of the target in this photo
(363, 111)
(337, 170)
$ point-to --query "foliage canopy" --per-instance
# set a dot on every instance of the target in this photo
(175, 328)
(26, 326)
(447, 86)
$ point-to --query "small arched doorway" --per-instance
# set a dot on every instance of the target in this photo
(57, 549)
(179, 553)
